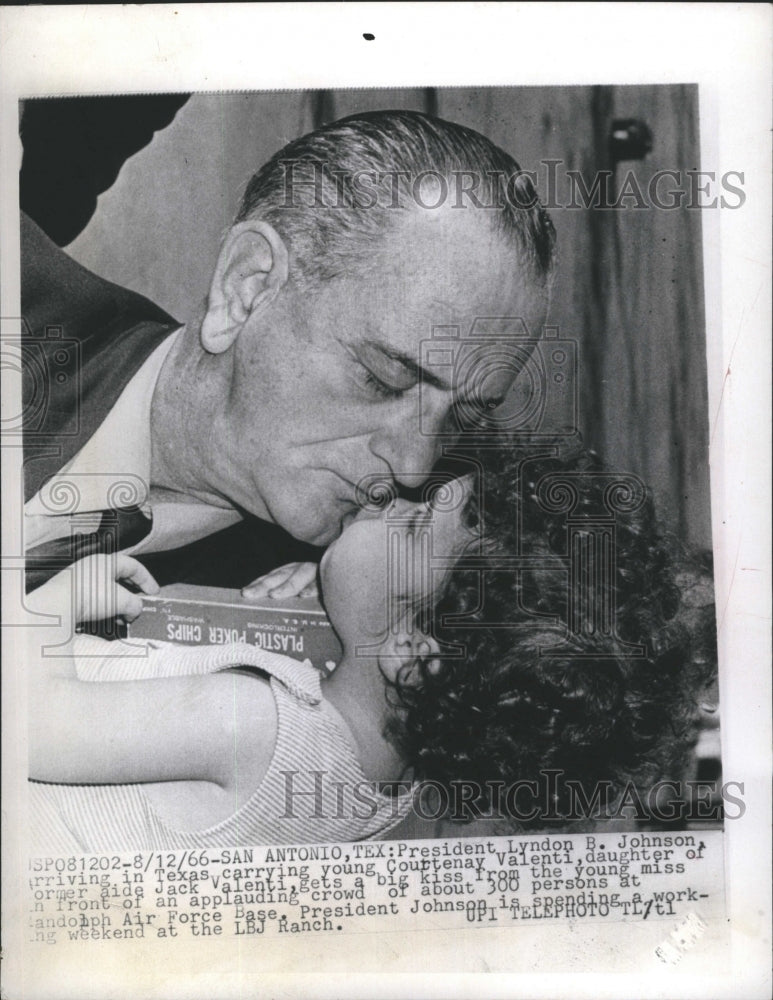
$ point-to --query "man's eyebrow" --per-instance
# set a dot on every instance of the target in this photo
(421, 373)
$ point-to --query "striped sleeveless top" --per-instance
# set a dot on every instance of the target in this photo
(330, 798)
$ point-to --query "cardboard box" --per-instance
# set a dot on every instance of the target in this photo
(199, 616)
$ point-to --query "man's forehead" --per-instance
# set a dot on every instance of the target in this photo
(451, 274)
(430, 273)
(404, 314)
(443, 238)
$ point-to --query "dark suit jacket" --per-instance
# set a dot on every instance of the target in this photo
(83, 340)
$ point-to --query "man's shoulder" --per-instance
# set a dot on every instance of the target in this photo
(84, 338)
(57, 291)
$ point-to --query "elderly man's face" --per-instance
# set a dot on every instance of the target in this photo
(325, 385)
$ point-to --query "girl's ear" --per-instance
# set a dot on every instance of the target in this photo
(403, 650)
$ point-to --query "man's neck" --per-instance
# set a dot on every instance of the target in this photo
(179, 420)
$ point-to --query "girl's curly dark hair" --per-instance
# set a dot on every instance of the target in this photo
(510, 708)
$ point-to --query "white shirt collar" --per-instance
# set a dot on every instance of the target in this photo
(113, 470)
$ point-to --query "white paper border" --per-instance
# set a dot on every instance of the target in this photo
(725, 48)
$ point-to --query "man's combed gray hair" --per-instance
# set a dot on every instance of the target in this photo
(331, 193)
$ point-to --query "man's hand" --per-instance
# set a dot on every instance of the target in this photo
(298, 579)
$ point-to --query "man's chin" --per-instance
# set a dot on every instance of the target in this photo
(320, 535)
(304, 527)
(323, 534)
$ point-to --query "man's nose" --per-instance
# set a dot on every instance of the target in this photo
(410, 453)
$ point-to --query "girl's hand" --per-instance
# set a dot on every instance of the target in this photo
(91, 590)
(99, 593)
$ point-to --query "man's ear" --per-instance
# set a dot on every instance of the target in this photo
(253, 265)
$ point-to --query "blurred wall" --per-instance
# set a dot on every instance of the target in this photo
(158, 229)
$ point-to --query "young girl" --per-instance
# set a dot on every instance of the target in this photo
(459, 666)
